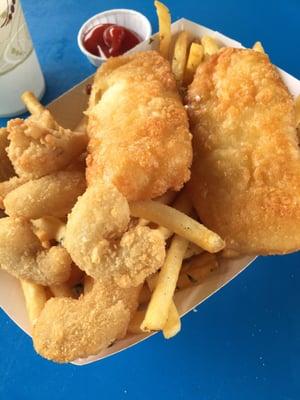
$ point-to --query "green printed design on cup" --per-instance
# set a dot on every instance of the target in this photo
(15, 41)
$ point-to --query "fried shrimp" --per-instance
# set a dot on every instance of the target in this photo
(9, 185)
(140, 139)
(51, 195)
(98, 241)
(68, 329)
(39, 146)
(22, 255)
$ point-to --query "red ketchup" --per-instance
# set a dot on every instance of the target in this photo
(108, 40)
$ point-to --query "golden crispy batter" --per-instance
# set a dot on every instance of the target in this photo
(68, 329)
(22, 255)
(51, 195)
(39, 146)
(139, 133)
(245, 180)
(97, 239)
(9, 185)
(6, 168)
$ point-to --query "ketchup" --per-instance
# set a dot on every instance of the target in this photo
(108, 40)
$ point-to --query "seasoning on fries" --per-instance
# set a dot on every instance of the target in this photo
(180, 56)
(179, 223)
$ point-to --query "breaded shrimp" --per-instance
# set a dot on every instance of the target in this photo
(245, 181)
(39, 146)
(10, 185)
(140, 139)
(51, 195)
(22, 255)
(68, 329)
(98, 243)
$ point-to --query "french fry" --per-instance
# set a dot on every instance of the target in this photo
(209, 45)
(297, 106)
(199, 261)
(179, 223)
(32, 103)
(164, 23)
(35, 299)
(197, 270)
(194, 59)
(192, 250)
(258, 47)
(158, 309)
(180, 55)
(173, 324)
(166, 198)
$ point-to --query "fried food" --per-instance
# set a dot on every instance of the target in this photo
(138, 127)
(178, 222)
(162, 297)
(99, 243)
(68, 329)
(48, 229)
(51, 195)
(6, 168)
(164, 22)
(39, 146)
(22, 255)
(9, 185)
(245, 180)
(35, 299)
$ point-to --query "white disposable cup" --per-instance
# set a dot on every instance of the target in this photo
(130, 19)
(19, 66)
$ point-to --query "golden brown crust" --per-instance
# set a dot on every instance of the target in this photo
(246, 172)
(99, 243)
(139, 133)
(22, 255)
(38, 146)
(68, 329)
(53, 195)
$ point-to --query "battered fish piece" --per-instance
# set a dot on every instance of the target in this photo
(140, 139)
(39, 146)
(22, 255)
(52, 195)
(245, 182)
(68, 329)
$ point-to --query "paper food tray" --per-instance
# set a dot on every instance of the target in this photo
(67, 109)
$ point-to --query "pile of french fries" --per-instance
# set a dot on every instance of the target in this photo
(191, 255)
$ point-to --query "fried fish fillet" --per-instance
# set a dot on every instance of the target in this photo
(138, 127)
(245, 182)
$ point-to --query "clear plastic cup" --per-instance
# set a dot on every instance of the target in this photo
(19, 67)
